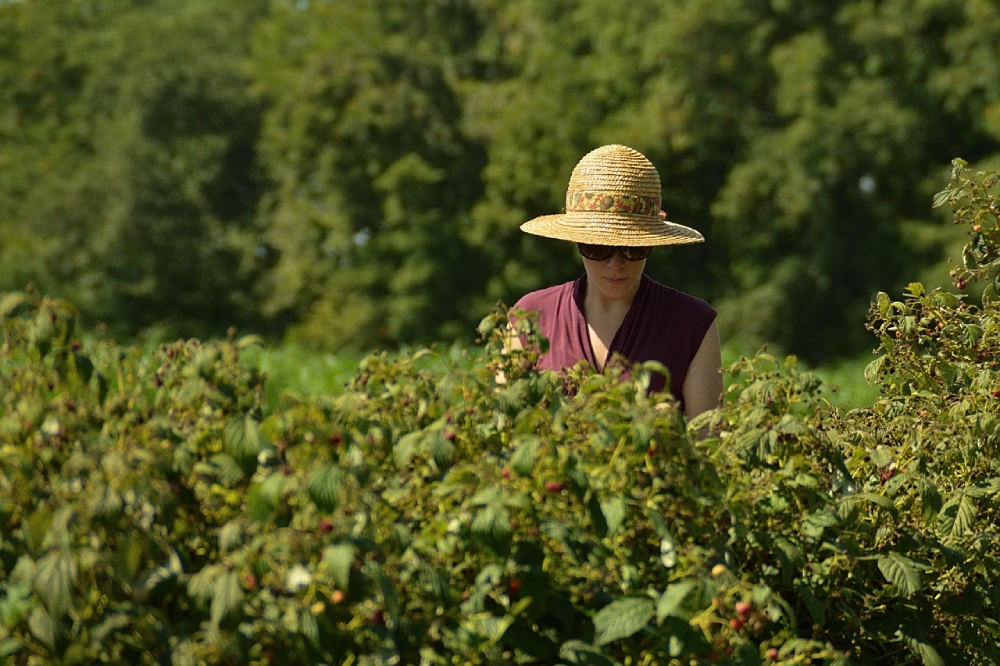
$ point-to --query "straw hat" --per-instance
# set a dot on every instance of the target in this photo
(613, 199)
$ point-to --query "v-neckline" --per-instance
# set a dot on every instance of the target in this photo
(580, 297)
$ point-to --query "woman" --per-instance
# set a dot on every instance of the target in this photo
(613, 214)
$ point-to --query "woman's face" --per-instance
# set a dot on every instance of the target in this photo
(615, 278)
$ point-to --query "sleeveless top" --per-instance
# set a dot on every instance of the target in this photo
(662, 324)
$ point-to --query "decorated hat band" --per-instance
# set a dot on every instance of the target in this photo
(611, 202)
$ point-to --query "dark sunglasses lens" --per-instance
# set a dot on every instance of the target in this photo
(636, 253)
(596, 252)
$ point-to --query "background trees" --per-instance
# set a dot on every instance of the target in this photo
(355, 173)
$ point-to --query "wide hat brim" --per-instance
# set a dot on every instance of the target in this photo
(613, 198)
(612, 229)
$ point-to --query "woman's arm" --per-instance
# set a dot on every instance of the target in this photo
(703, 384)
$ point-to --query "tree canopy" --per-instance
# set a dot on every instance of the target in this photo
(354, 173)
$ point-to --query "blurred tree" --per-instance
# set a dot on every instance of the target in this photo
(132, 136)
(374, 176)
(358, 170)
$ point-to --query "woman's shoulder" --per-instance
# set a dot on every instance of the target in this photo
(539, 299)
(676, 297)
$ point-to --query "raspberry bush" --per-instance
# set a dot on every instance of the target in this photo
(156, 508)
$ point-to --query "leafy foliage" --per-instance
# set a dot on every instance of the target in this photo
(154, 509)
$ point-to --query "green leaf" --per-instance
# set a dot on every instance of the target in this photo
(928, 655)
(229, 471)
(882, 299)
(201, 585)
(9, 647)
(673, 599)
(42, 332)
(323, 487)
(130, 555)
(900, 572)
(881, 501)
(621, 618)
(615, 510)
(492, 526)
(583, 654)
(812, 604)
(338, 560)
(241, 440)
(965, 517)
(523, 460)
(309, 628)
(230, 535)
(12, 302)
(599, 524)
(227, 596)
(930, 500)
(262, 497)
(84, 367)
(42, 627)
(53, 581)
(958, 515)
(441, 449)
(406, 448)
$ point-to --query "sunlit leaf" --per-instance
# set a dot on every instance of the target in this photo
(42, 627)
(900, 571)
(241, 440)
(622, 618)
(227, 596)
(523, 460)
(54, 579)
(324, 487)
(672, 600)
(338, 560)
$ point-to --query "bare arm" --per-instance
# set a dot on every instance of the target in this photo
(702, 388)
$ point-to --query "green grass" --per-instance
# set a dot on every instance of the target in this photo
(302, 371)
(843, 382)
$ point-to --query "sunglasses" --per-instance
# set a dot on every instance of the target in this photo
(602, 252)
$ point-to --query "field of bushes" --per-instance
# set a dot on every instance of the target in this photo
(167, 507)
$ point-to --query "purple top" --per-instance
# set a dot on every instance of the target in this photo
(662, 324)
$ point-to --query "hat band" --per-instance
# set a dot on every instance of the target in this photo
(607, 202)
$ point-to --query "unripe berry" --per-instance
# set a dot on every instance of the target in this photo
(718, 570)
(736, 623)
(337, 597)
